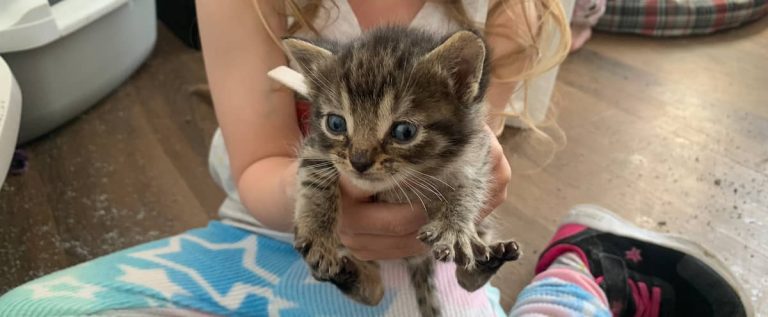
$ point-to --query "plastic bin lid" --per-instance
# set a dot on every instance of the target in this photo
(26, 24)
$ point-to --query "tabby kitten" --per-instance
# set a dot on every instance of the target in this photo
(399, 112)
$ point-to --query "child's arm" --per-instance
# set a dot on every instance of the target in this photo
(261, 131)
(258, 122)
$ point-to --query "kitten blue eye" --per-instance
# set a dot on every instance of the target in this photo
(403, 131)
(336, 124)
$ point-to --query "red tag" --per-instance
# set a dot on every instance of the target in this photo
(302, 114)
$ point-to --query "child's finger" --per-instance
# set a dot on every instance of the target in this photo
(501, 176)
(389, 254)
(379, 242)
(381, 219)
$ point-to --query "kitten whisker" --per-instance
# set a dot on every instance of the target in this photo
(323, 175)
(320, 165)
(408, 81)
(427, 181)
(323, 171)
(323, 161)
(424, 183)
(402, 190)
(321, 185)
(430, 176)
(317, 158)
(411, 177)
(329, 178)
(399, 198)
(416, 192)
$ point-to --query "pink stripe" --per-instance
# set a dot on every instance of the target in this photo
(567, 230)
(647, 304)
(639, 307)
(547, 258)
(655, 301)
(576, 278)
(541, 309)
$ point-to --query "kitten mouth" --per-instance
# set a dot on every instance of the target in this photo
(367, 177)
(371, 182)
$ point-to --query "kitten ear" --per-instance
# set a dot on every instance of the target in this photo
(306, 54)
(463, 55)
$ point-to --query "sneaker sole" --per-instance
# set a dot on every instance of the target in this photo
(605, 220)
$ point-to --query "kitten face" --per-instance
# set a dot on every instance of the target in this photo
(395, 104)
(381, 141)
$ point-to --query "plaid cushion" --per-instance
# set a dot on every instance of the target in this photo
(678, 17)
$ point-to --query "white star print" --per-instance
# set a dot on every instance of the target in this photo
(155, 279)
(79, 289)
(237, 293)
(153, 303)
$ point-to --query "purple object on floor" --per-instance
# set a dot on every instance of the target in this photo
(19, 163)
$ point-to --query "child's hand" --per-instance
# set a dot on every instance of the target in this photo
(379, 231)
(501, 174)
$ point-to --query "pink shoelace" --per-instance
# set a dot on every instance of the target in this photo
(647, 302)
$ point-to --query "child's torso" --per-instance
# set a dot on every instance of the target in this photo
(338, 23)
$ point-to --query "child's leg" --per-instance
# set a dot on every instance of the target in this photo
(217, 270)
(214, 270)
(597, 260)
(566, 288)
(220, 270)
(586, 13)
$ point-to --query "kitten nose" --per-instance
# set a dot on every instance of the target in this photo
(360, 161)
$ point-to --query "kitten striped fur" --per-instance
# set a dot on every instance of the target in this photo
(399, 112)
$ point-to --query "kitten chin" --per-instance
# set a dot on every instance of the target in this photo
(370, 184)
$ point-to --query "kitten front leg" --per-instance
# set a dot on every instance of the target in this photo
(317, 205)
(454, 237)
(500, 253)
(454, 241)
(316, 216)
(451, 231)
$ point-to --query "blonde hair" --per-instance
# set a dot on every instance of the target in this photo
(541, 32)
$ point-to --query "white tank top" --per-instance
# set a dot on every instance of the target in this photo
(339, 25)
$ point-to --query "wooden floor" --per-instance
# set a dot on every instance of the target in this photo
(671, 134)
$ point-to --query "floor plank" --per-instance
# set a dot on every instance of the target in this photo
(671, 134)
(130, 170)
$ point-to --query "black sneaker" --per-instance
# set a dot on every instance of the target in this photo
(645, 273)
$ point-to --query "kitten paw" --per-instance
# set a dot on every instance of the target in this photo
(363, 283)
(324, 261)
(505, 251)
(500, 253)
(358, 280)
(462, 246)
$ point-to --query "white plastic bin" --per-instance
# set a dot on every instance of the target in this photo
(10, 113)
(68, 55)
